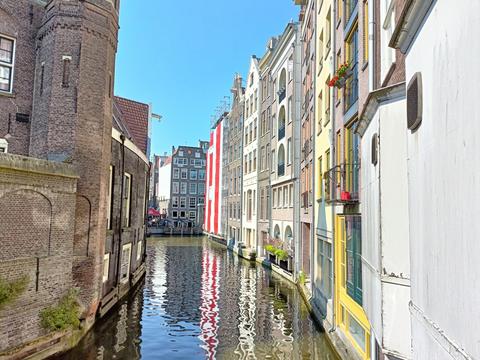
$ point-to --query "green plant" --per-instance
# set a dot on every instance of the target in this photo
(64, 315)
(9, 291)
(270, 248)
(301, 278)
(281, 254)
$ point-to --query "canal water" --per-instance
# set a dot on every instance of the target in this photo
(199, 301)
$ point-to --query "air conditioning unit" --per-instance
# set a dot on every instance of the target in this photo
(3, 146)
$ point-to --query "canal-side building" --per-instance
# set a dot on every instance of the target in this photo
(443, 171)
(71, 174)
(308, 17)
(233, 155)
(182, 179)
(322, 252)
(342, 178)
(285, 73)
(384, 188)
(250, 159)
(215, 198)
(264, 137)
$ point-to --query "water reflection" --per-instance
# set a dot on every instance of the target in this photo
(201, 302)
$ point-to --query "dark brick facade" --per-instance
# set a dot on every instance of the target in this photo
(54, 224)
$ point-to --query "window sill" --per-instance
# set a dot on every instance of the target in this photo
(7, 94)
(337, 103)
(339, 21)
(365, 65)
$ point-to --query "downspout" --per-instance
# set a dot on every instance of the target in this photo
(371, 46)
(332, 154)
(122, 174)
(297, 65)
(312, 178)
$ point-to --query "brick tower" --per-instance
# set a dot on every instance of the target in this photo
(72, 119)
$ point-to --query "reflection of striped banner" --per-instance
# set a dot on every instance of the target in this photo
(213, 209)
(209, 306)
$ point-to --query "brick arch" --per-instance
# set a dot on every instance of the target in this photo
(83, 214)
(25, 225)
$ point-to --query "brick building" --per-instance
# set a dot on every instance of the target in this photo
(72, 177)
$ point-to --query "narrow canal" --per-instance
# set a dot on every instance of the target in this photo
(199, 301)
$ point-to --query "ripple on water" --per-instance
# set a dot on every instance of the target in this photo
(198, 301)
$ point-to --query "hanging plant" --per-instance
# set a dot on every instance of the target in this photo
(341, 75)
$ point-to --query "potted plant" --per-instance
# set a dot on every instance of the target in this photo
(341, 75)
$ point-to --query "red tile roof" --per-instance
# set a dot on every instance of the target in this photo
(135, 115)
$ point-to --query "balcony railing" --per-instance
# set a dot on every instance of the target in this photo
(281, 94)
(281, 169)
(342, 183)
(281, 133)
(350, 94)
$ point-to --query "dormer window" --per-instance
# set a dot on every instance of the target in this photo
(7, 49)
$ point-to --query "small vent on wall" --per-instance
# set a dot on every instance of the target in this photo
(414, 102)
(375, 149)
(25, 118)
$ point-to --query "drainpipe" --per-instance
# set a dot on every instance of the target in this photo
(332, 154)
(312, 178)
(122, 174)
(371, 46)
(297, 49)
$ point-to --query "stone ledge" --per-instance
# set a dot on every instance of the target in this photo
(39, 166)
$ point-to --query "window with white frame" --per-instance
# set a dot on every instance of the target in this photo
(7, 57)
(183, 202)
(193, 188)
(201, 174)
(106, 266)
(192, 215)
(197, 154)
(289, 151)
(193, 202)
(180, 153)
(182, 214)
(175, 214)
(387, 11)
(201, 189)
(184, 174)
(139, 250)
(127, 198)
(110, 199)
(125, 263)
(176, 173)
(193, 174)
(201, 201)
(174, 201)
(183, 188)
(175, 187)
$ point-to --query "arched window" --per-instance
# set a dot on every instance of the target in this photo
(288, 236)
(281, 123)
(281, 161)
(282, 86)
(249, 204)
(276, 232)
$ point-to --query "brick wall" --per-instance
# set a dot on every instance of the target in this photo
(37, 208)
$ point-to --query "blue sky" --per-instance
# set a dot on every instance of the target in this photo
(181, 56)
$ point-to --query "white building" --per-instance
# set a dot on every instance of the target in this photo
(443, 163)
(163, 184)
(250, 158)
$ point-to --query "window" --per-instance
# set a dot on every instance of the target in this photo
(250, 162)
(290, 110)
(201, 174)
(183, 202)
(139, 250)
(255, 129)
(289, 151)
(192, 202)
(193, 174)
(328, 32)
(285, 196)
(175, 201)
(320, 178)
(174, 214)
(274, 197)
(320, 111)
(197, 154)
(125, 263)
(201, 201)
(365, 32)
(193, 188)
(7, 50)
(256, 101)
(290, 195)
(327, 101)
(110, 199)
(338, 91)
(180, 153)
(201, 189)
(66, 70)
(192, 215)
(254, 160)
(183, 188)
(320, 51)
(106, 266)
(182, 214)
(353, 264)
(351, 85)
(127, 198)
(184, 174)
(175, 187)
(281, 161)
(176, 173)
(339, 10)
